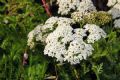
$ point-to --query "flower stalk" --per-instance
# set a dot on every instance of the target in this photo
(47, 8)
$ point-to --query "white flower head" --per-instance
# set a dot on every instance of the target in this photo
(40, 32)
(117, 23)
(115, 11)
(56, 42)
(65, 6)
(85, 7)
(66, 44)
(77, 51)
(95, 33)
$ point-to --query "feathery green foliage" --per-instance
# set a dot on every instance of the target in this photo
(17, 18)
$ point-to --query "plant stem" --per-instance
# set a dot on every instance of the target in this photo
(47, 9)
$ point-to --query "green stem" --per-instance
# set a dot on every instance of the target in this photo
(75, 72)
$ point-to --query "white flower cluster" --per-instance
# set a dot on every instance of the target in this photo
(66, 44)
(78, 50)
(81, 6)
(85, 7)
(95, 33)
(63, 42)
(115, 11)
(65, 6)
(41, 31)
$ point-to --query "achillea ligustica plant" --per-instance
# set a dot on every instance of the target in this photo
(82, 38)
(60, 35)
(79, 42)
